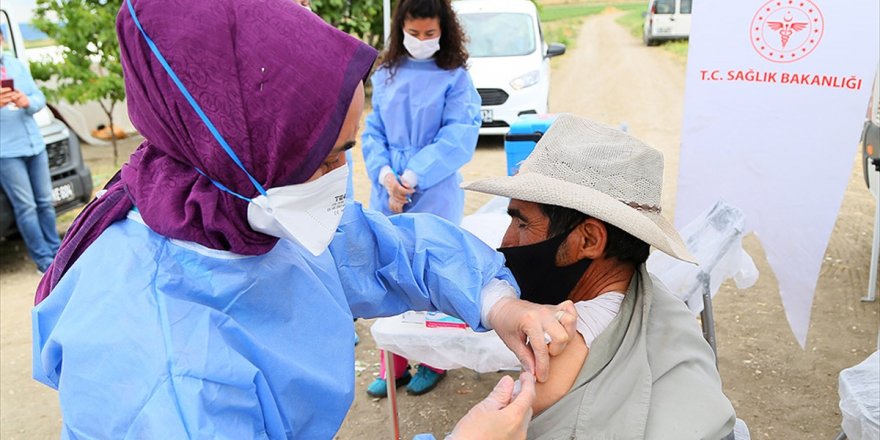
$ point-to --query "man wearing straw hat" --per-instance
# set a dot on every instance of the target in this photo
(585, 210)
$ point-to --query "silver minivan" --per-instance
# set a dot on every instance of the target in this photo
(667, 20)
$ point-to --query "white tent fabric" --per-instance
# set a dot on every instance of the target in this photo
(859, 389)
(715, 239)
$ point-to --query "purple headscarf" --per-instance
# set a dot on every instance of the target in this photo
(275, 80)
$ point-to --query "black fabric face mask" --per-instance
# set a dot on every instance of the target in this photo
(540, 279)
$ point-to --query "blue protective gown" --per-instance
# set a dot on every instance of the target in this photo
(148, 337)
(427, 120)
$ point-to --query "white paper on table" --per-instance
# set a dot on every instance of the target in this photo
(445, 348)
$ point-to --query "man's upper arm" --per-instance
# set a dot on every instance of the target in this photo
(564, 369)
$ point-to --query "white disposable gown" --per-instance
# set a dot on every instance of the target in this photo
(149, 337)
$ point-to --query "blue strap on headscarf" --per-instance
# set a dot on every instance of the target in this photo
(198, 109)
(224, 188)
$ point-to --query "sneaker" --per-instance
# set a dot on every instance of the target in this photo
(425, 380)
(379, 388)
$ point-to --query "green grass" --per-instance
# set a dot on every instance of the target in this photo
(633, 21)
(562, 31)
(561, 23)
(678, 47)
(627, 7)
(560, 12)
(550, 13)
(34, 44)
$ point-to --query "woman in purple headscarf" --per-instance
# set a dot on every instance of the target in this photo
(200, 295)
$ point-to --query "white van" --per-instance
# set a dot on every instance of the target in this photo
(667, 20)
(509, 60)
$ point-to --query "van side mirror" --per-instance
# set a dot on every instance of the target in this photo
(554, 50)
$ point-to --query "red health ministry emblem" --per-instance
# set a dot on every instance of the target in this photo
(784, 31)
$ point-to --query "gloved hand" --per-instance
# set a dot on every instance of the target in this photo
(517, 322)
(501, 415)
(398, 194)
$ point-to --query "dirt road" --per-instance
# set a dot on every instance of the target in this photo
(780, 390)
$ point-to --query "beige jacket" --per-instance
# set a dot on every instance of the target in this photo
(649, 375)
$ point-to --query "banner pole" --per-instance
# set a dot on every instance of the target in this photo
(875, 249)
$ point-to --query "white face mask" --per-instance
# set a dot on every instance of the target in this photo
(308, 213)
(418, 49)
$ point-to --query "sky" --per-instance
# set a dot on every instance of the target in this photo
(23, 10)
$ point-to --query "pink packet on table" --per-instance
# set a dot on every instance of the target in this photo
(442, 320)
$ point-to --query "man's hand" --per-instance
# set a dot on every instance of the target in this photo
(398, 195)
(497, 417)
(6, 95)
(517, 322)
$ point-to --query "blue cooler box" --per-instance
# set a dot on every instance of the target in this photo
(524, 133)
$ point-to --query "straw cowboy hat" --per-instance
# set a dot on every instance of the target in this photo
(599, 171)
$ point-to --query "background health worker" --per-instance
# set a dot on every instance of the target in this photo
(423, 129)
(209, 291)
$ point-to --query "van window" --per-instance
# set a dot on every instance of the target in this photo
(499, 34)
(685, 6)
(664, 7)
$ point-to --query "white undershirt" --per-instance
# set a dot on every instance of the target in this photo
(594, 315)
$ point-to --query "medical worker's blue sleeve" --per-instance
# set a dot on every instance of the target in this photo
(388, 265)
(374, 142)
(456, 141)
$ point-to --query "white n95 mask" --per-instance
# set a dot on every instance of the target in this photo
(308, 213)
(418, 49)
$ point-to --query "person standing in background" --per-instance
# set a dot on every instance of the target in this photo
(24, 164)
(423, 129)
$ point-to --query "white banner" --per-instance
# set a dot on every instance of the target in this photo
(776, 95)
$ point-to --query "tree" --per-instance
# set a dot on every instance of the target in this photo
(362, 18)
(91, 69)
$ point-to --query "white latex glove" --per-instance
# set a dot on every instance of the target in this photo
(521, 323)
(499, 416)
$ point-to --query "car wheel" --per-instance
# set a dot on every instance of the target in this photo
(647, 39)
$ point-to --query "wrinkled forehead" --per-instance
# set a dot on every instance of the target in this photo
(525, 209)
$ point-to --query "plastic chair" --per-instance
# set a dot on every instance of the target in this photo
(715, 239)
